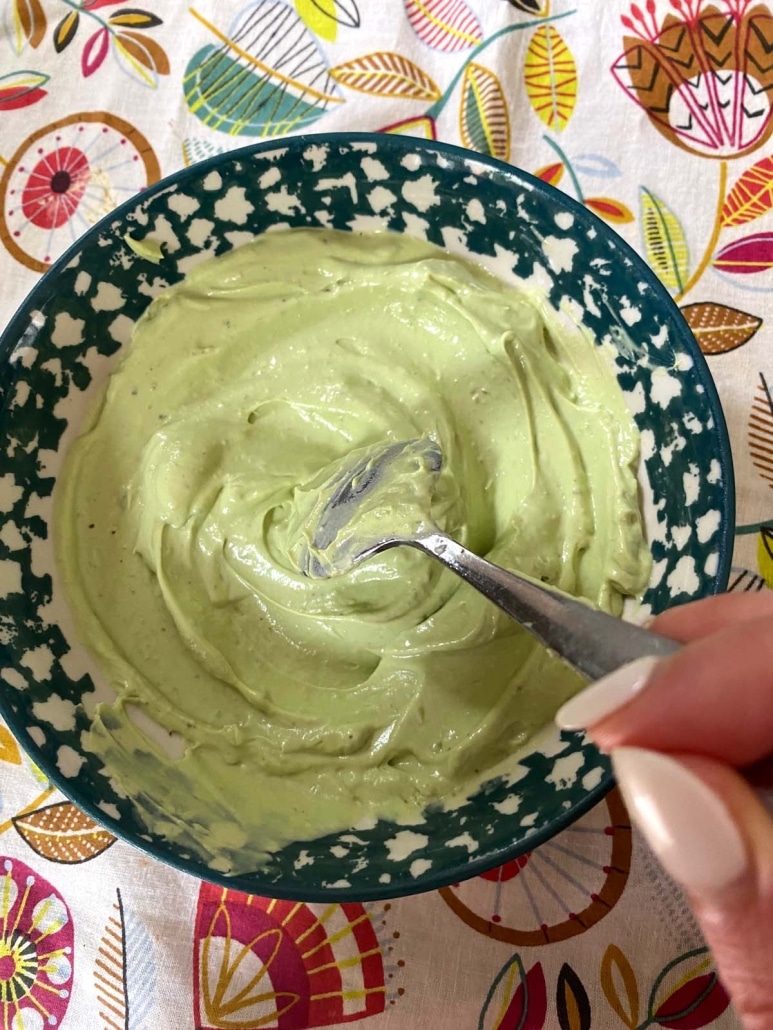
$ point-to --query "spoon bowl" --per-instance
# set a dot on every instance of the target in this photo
(342, 524)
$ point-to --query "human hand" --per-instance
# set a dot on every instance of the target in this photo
(678, 731)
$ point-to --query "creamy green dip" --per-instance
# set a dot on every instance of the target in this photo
(303, 705)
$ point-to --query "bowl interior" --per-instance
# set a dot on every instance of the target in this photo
(58, 351)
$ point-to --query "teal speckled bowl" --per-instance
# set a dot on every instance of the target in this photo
(68, 335)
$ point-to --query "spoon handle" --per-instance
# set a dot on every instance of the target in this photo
(591, 641)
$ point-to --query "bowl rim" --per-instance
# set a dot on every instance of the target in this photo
(42, 289)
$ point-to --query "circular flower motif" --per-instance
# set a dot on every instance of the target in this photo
(702, 75)
(64, 178)
(36, 949)
(55, 187)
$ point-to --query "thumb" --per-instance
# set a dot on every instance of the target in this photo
(714, 836)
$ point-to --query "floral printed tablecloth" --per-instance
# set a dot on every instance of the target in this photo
(658, 117)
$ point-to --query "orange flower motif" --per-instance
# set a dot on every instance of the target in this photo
(704, 75)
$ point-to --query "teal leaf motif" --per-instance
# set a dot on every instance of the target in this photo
(267, 77)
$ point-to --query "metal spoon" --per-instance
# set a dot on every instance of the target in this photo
(591, 641)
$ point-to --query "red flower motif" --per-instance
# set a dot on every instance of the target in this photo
(36, 949)
(55, 187)
(283, 964)
(507, 871)
(702, 75)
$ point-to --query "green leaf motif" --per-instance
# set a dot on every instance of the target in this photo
(665, 245)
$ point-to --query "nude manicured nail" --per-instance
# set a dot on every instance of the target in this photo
(685, 823)
(605, 696)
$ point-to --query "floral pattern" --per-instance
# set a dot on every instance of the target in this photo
(657, 115)
(36, 950)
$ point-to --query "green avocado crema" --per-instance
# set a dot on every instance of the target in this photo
(298, 706)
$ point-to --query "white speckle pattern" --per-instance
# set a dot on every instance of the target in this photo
(381, 198)
(419, 867)
(405, 843)
(707, 525)
(57, 711)
(39, 660)
(69, 762)
(233, 206)
(270, 178)
(68, 331)
(560, 252)
(509, 806)
(199, 231)
(283, 201)
(183, 205)
(421, 193)
(681, 534)
(684, 578)
(464, 840)
(10, 578)
(592, 779)
(374, 169)
(691, 481)
(212, 182)
(665, 387)
(475, 211)
(564, 771)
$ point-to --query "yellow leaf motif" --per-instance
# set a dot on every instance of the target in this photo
(751, 196)
(765, 556)
(226, 998)
(615, 968)
(320, 17)
(665, 245)
(484, 123)
(9, 749)
(386, 74)
(550, 75)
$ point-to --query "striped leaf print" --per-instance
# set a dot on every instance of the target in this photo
(751, 196)
(484, 123)
(386, 74)
(665, 245)
(760, 430)
(550, 76)
(447, 25)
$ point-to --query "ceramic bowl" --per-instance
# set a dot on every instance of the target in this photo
(68, 335)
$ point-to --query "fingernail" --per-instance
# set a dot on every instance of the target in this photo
(684, 822)
(605, 696)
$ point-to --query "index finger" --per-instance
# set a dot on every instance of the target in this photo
(714, 697)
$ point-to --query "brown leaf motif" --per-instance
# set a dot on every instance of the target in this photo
(27, 24)
(618, 981)
(62, 833)
(386, 74)
(141, 52)
(719, 328)
(760, 430)
(484, 123)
